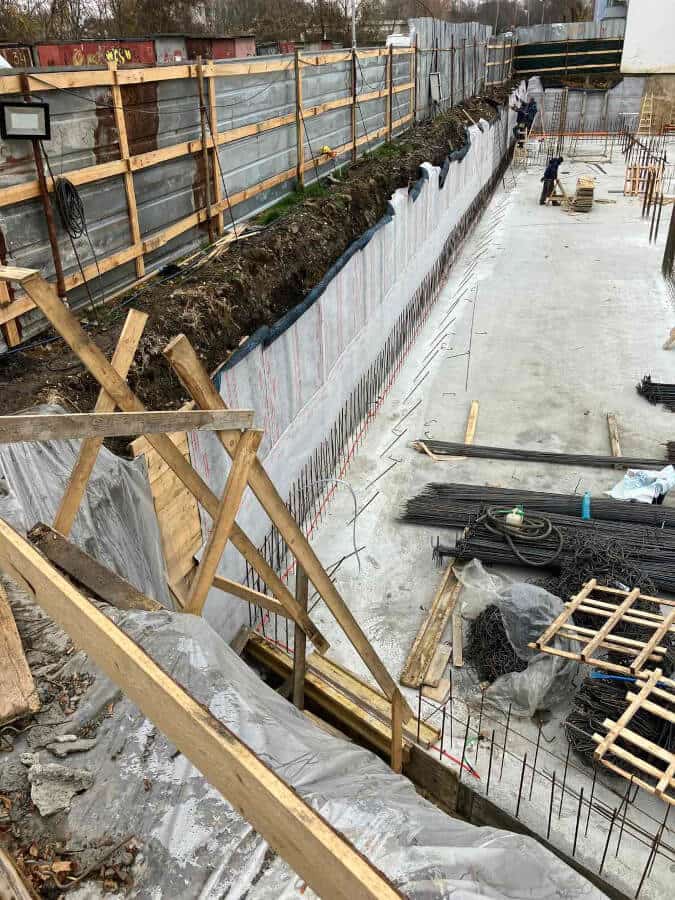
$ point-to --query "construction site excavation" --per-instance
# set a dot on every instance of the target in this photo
(337, 461)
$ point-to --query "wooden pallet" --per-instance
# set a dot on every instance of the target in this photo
(620, 738)
(637, 178)
(613, 606)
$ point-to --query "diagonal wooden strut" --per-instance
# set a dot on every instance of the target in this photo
(93, 358)
(194, 377)
(121, 362)
(320, 855)
(233, 493)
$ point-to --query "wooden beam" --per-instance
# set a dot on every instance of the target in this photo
(93, 358)
(613, 429)
(75, 426)
(88, 572)
(12, 885)
(304, 839)
(247, 448)
(250, 596)
(396, 732)
(79, 477)
(194, 377)
(471, 423)
(18, 694)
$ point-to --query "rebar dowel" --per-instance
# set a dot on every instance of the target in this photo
(419, 712)
(576, 827)
(609, 835)
(506, 734)
(480, 722)
(520, 786)
(534, 766)
(466, 734)
(564, 781)
(492, 748)
(590, 802)
(623, 817)
(550, 807)
(440, 752)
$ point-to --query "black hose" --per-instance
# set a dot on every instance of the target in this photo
(533, 530)
(70, 207)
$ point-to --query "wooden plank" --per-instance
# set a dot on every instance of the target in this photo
(77, 484)
(250, 596)
(318, 853)
(602, 633)
(194, 377)
(654, 707)
(129, 190)
(18, 694)
(457, 646)
(437, 666)
(431, 630)
(88, 572)
(541, 642)
(471, 423)
(299, 641)
(12, 885)
(605, 743)
(358, 690)
(613, 429)
(94, 360)
(223, 523)
(438, 694)
(396, 758)
(653, 642)
(76, 426)
(15, 273)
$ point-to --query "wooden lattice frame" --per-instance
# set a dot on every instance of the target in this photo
(604, 638)
(651, 685)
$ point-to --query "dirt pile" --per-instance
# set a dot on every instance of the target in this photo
(254, 283)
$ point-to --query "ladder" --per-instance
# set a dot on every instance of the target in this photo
(646, 122)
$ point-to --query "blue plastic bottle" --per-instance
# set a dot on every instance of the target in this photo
(586, 506)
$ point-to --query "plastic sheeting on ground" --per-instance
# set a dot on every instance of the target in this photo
(116, 523)
(196, 846)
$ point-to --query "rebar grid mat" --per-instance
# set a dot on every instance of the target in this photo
(615, 607)
(655, 695)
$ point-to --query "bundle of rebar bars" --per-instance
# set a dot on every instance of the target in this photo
(657, 392)
(453, 449)
(450, 505)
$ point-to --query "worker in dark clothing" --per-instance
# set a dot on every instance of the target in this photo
(549, 178)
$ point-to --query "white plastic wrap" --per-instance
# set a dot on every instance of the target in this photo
(116, 523)
(526, 611)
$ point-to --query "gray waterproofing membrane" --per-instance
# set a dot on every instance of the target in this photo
(116, 523)
(623, 101)
(195, 845)
(298, 383)
(83, 134)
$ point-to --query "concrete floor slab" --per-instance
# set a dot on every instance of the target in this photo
(548, 319)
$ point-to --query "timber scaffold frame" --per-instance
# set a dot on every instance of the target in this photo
(211, 214)
(318, 853)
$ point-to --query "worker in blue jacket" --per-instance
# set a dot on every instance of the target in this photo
(549, 178)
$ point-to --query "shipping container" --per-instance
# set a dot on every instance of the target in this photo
(170, 48)
(220, 47)
(123, 51)
(19, 56)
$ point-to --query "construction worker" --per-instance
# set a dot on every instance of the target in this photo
(549, 178)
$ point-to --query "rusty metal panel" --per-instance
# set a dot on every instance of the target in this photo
(96, 53)
(19, 56)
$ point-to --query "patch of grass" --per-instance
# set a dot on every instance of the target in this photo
(316, 189)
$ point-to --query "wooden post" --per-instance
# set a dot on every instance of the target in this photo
(185, 363)
(129, 189)
(11, 330)
(452, 70)
(215, 159)
(390, 85)
(121, 362)
(205, 149)
(396, 732)
(299, 137)
(354, 103)
(321, 856)
(223, 523)
(300, 640)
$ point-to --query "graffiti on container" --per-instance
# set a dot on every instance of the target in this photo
(98, 57)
